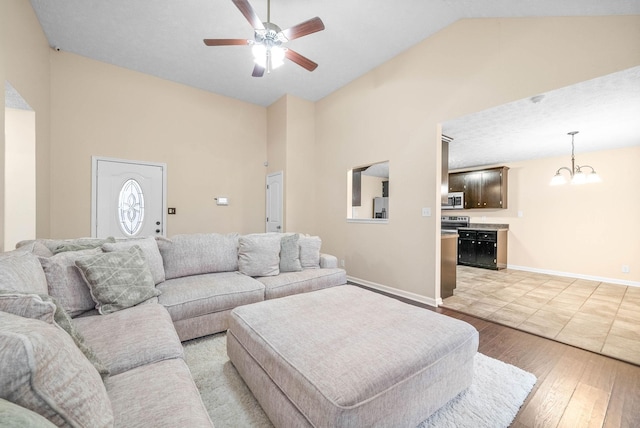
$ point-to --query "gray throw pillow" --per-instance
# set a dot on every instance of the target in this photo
(21, 271)
(65, 281)
(259, 254)
(290, 254)
(310, 251)
(151, 253)
(45, 308)
(43, 371)
(118, 280)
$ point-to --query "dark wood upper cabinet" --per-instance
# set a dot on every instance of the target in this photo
(456, 182)
(486, 188)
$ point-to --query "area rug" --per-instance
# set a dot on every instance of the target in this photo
(493, 400)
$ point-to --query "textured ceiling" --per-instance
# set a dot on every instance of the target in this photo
(164, 37)
(605, 111)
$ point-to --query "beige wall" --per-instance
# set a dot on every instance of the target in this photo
(291, 149)
(24, 62)
(582, 230)
(212, 145)
(394, 113)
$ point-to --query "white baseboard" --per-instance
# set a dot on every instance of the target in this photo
(400, 293)
(576, 275)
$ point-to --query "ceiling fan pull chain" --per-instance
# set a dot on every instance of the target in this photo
(268, 10)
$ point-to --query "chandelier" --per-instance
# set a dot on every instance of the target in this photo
(576, 174)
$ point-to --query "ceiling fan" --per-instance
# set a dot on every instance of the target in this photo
(266, 46)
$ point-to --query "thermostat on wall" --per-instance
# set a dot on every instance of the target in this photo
(222, 201)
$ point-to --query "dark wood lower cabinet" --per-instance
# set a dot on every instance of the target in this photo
(482, 248)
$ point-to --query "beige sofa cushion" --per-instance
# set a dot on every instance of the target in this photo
(131, 338)
(161, 394)
(44, 371)
(288, 283)
(14, 416)
(197, 295)
(21, 271)
(118, 280)
(65, 281)
(259, 254)
(198, 253)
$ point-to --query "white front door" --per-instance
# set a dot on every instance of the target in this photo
(274, 202)
(128, 198)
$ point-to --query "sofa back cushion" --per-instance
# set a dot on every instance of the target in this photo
(259, 254)
(198, 253)
(149, 247)
(21, 271)
(44, 371)
(65, 281)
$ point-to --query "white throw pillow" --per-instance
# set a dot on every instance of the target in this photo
(310, 251)
(259, 254)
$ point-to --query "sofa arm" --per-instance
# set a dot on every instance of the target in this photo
(327, 261)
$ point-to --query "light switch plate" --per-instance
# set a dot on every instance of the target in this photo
(222, 201)
(426, 212)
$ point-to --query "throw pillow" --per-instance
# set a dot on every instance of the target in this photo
(151, 254)
(45, 308)
(43, 371)
(290, 254)
(65, 281)
(118, 280)
(81, 244)
(14, 416)
(310, 251)
(259, 254)
(21, 271)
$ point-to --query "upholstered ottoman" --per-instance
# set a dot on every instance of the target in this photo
(348, 357)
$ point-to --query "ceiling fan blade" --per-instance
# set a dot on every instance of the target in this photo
(302, 61)
(225, 42)
(248, 12)
(304, 28)
(258, 71)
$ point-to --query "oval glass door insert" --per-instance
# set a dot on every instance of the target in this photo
(131, 207)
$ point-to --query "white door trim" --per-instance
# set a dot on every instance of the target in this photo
(94, 189)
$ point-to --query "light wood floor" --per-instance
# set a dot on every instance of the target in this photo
(575, 387)
(595, 316)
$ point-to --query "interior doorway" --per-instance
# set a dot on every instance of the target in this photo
(274, 194)
(19, 169)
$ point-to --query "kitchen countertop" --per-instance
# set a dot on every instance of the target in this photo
(485, 226)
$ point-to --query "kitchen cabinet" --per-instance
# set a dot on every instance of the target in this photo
(485, 188)
(482, 248)
(456, 182)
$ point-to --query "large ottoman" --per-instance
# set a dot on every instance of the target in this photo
(348, 357)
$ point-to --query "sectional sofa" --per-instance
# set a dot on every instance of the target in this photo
(92, 329)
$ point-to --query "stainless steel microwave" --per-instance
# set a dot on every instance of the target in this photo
(455, 201)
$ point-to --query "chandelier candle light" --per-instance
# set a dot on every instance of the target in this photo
(575, 172)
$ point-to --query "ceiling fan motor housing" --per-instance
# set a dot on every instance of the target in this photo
(270, 36)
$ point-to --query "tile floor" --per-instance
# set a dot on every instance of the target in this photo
(596, 316)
